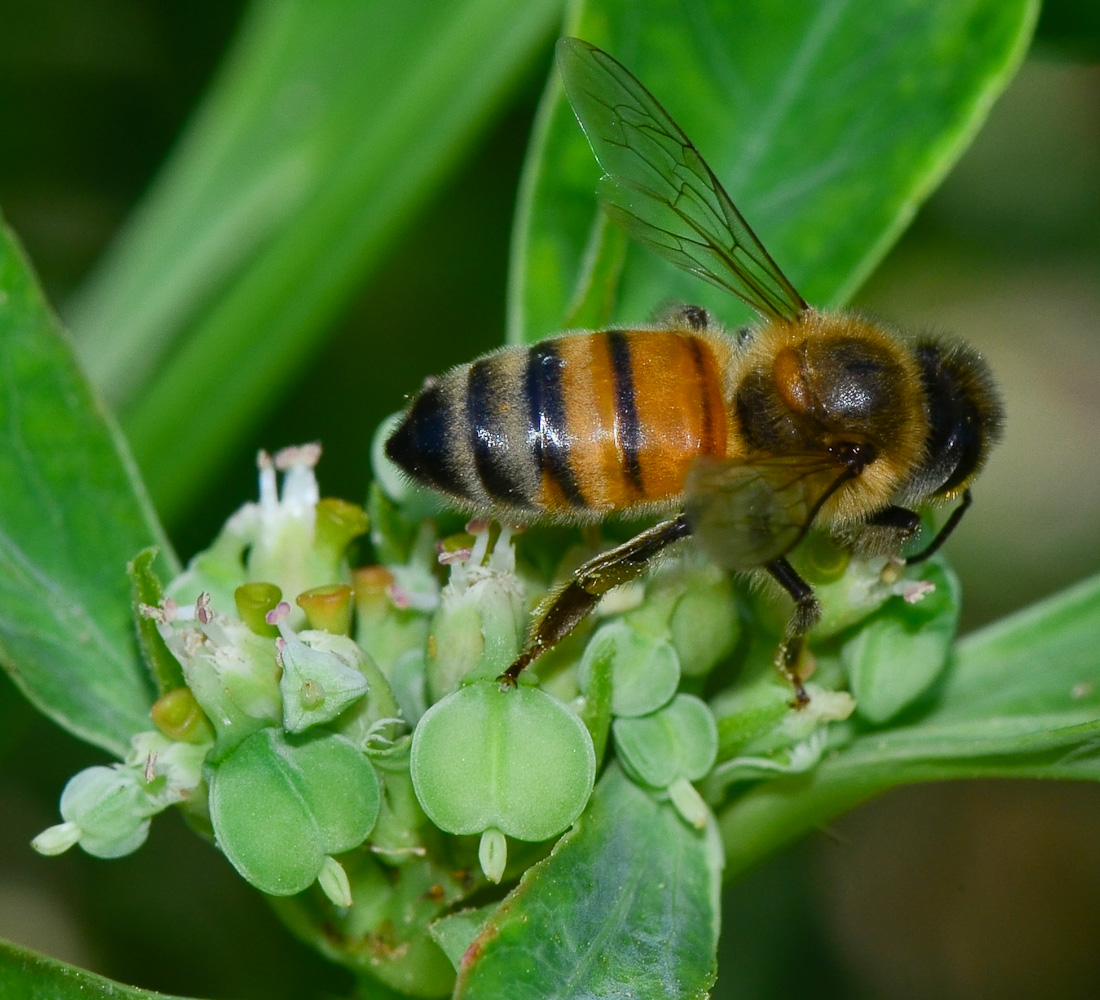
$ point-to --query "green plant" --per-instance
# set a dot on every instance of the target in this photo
(628, 898)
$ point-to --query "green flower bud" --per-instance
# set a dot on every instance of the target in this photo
(105, 810)
(482, 617)
(281, 804)
(230, 670)
(177, 714)
(392, 614)
(645, 670)
(516, 760)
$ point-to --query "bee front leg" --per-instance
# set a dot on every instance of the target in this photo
(806, 613)
(564, 610)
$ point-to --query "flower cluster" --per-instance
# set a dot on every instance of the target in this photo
(343, 731)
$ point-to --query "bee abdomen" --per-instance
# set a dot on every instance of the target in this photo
(573, 427)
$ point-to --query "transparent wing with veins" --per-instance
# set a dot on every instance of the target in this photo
(746, 514)
(661, 190)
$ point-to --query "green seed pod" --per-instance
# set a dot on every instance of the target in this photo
(317, 685)
(516, 760)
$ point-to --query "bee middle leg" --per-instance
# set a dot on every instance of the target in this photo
(567, 608)
(806, 613)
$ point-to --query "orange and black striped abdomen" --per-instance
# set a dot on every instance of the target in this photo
(572, 427)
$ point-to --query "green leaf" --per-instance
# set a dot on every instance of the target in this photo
(1018, 699)
(328, 126)
(828, 124)
(72, 514)
(29, 976)
(640, 889)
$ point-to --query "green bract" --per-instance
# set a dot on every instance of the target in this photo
(515, 760)
(895, 655)
(644, 670)
(677, 741)
(279, 805)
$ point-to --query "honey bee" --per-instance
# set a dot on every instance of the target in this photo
(808, 418)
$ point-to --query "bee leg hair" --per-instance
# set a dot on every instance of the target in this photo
(565, 609)
(806, 613)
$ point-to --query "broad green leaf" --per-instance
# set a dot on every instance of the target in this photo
(827, 123)
(1018, 699)
(72, 514)
(29, 976)
(327, 127)
(640, 891)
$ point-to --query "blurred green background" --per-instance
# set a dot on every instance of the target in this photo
(976, 890)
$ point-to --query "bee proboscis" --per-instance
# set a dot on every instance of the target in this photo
(809, 418)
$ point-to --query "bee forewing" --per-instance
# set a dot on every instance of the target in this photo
(661, 190)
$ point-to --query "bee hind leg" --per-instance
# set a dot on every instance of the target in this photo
(569, 606)
(807, 612)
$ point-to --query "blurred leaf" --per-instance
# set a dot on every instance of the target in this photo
(640, 891)
(72, 514)
(828, 124)
(28, 976)
(1019, 699)
(329, 125)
